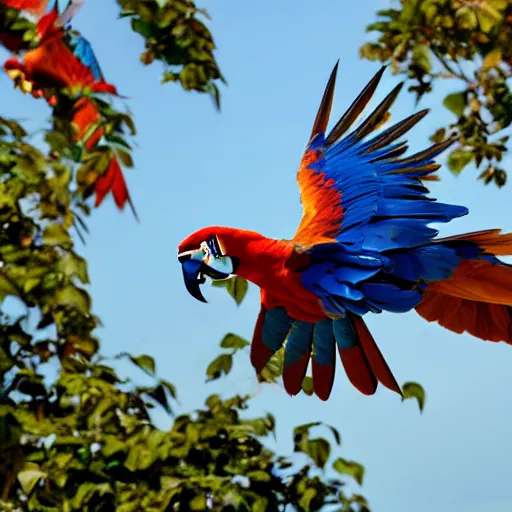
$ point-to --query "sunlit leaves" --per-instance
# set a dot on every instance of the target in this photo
(233, 341)
(413, 390)
(351, 468)
(458, 159)
(468, 43)
(29, 477)
(144, 362)
(176, 35)
(236, 287)
(492, 59)
(7, 287)
(455, 103)
(56, 234)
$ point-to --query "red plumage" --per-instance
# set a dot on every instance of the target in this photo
(364, 208)
(52, 65)
(36, 7)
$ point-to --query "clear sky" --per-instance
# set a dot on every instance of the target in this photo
(196, 167)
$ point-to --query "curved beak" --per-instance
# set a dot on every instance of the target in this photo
(198, 264)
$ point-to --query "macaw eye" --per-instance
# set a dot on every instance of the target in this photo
(212, 247)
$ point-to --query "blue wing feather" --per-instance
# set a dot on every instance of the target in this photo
(384, 253)
(82, 49)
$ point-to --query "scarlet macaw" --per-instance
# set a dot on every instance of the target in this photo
(363, 245)
(65, 59)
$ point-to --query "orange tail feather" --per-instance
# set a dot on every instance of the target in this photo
(476, 299)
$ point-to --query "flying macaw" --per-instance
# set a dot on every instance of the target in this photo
(65, 59)
(363, 245)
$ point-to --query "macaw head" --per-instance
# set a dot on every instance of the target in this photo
(204, 254)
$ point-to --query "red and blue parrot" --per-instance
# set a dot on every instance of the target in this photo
(364, 244)
(65, 59)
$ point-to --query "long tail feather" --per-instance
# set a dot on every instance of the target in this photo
(477, 297)
(491, 241)
(296, 356)
(323, 362)
(489, 322)
(374, 356)
(359, 354)
(353, 358)
(358, 370)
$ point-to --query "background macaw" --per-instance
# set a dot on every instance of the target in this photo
(65, 59)
(363, 245)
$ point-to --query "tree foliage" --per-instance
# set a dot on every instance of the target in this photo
(176, 35)
(84, 439)
(467, 42)
(75, 435)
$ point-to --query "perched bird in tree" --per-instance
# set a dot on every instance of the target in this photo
(64, 59)
(363, 245)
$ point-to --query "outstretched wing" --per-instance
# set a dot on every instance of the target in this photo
(356, 190)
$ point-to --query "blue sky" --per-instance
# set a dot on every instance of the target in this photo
(196, 167)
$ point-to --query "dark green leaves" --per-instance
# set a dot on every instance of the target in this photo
(81, 436)
(221, 365)
(415, 391)
(319, 449)
(7, 287)
(176, 35)
(145, 363)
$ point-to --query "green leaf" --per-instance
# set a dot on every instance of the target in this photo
(274, 367)
(319, 450)
(197, 503)
(29, 478)
(351, 468)
(125, 157)
(171, 388)
(56, 234)
(71, 265)
(233, 341)
(10, 431)
(458, 159)
(236, 286)
(73, 297)
(57, 141)
(455, 103)
(140, 457)
(306, 498)
(492, 59)
(421, 57)
(7, 287)
(219, 366)
(416, 391)
(259, 476)
(145, 363)
(307, 385)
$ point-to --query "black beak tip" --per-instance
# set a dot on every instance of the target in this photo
(193, 278)
(183, 257)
